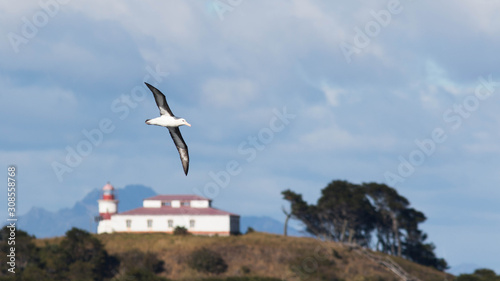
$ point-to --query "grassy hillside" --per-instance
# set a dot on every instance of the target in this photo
(261, 254)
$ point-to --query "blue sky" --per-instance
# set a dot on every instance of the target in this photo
(281, 94)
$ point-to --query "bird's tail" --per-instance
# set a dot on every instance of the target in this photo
(147, 121)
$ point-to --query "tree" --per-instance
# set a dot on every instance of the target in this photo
(349, 213)
(346, 212)
(342, 213)
(79, 256)
(389, 206)
(25, 252)
(305, 213)
(85, 254)
(288, 216)
(54, 262)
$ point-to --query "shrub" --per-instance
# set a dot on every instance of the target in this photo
(141, 274)
(85, 256)
(250, 230)
(468, 277)
(180, 230)
(482, 274)
(252, 278)
(245, 269)
(137, 260)
(208, 261)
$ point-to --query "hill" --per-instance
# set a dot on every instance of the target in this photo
(261, 254)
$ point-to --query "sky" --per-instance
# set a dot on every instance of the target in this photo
(280, 94)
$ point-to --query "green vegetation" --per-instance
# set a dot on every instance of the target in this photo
(207, 261)
(250, 230)
(79, 256)
(482, 274)
(140, 274)
(180, 230)
(242, 279)
(351, 213)
(137, 263)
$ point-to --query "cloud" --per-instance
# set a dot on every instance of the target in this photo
(38, 104)
(332, 95)
(219, 92)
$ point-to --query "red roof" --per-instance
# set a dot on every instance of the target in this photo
(167, 210)
(176, 197)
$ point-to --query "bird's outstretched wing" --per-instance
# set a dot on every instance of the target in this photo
(175, 133)
(161, 102)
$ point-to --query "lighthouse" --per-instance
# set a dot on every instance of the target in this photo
(108, 206)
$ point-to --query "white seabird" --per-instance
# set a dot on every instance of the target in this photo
(172, 123)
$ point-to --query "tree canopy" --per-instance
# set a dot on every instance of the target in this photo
(358, 213)
(79, 256)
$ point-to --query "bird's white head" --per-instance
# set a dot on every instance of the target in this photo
(184, 122)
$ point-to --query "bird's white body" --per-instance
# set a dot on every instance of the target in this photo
(167, 121)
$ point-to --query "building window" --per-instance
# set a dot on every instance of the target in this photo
(129, 223)
(185, 203)
(191, 223)
(170, 223)
(166, 203)
(150, 223)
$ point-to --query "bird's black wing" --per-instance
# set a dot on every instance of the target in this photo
(161, 102)
(175, 133)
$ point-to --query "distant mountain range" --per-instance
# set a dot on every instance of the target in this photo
(267, 224)
(42, 223)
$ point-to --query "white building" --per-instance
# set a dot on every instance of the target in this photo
(162, 213)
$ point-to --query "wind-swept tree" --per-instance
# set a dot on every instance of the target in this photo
(343, 213)
(346, 212)
(349, 213)
(288, 215)
(389, 206)
(305, 213)
(414, 246)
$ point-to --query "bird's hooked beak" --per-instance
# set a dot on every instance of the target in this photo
(187, 124)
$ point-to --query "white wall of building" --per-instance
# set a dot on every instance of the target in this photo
(197, 224)
(139, 223)
(105, 226)
(107, 206)
(200, 204)
(151, 203)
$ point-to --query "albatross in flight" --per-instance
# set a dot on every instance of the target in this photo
(172, 123)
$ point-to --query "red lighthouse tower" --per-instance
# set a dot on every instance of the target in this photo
(108, 205)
